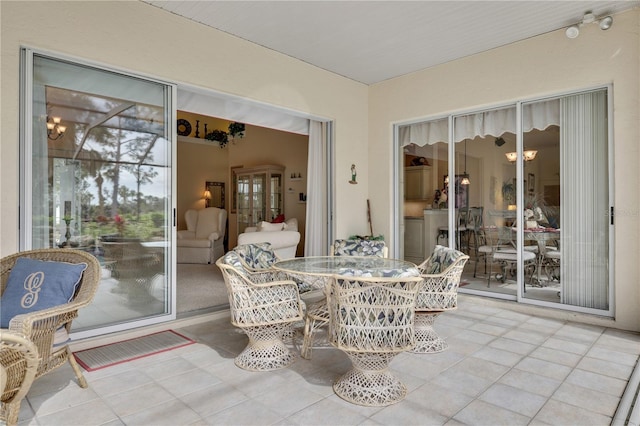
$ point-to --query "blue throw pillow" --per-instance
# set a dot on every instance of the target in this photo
(34, 285)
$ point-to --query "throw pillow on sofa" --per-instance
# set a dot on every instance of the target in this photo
(268, 227)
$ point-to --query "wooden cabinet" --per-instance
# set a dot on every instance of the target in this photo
(259, 195)
(418, 183)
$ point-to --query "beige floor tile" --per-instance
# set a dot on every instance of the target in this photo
(483, 413)
(502, 357)
(439, 399)
(597, 382)
(559, 413)
(513, 399)
(170, 413)
(605, 368)
(590, 400)
(531, 382)
(544, 368)
(556, 356)
(516, 346)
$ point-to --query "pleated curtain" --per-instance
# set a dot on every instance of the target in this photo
(584, 199)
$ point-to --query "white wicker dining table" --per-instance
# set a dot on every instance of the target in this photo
(315, 272)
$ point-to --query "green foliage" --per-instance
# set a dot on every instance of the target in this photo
(219, 136)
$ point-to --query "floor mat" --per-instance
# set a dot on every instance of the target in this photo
(129, 350)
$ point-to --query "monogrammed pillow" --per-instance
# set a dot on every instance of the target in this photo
(34, 285)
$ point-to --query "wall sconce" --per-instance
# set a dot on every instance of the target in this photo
(207, 197)
(54, 130)
(589, 18)
(528, 155)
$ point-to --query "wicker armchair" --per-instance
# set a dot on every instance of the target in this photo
(18, 366)
(317, 315)
(263, 303)
(441, 273)
(372, 320)
(40, 327)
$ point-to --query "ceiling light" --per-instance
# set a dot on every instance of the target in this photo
(606, 22)
(528, 155)
(465, 176)
(589, 18)
(573, 31)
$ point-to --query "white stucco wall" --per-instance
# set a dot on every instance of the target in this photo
(137, 37)
(542, 65)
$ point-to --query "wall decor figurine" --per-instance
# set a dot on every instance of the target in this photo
(353, 174)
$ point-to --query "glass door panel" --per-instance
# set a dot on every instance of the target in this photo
(258, 197)
(567, 200)
(425, 170)
(99, 181)
(242, 200)
(486, 204)
(275, 202)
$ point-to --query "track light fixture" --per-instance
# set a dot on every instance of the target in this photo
(589, 18)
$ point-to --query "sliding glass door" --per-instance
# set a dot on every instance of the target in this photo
(531, 202)
(97, 161)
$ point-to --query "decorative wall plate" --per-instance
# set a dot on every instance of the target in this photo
(183, 127)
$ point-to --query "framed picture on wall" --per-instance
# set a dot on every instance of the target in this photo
(531, 183)
(234, 188)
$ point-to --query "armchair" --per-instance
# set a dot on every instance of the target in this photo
(372, 320)
(441, 273)
(48, 328)
(283, 237)
(203, 240)
(18, 366)
(262, 303)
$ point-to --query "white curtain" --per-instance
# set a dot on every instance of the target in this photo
(584, 200)
(315, 241)
(488, 123)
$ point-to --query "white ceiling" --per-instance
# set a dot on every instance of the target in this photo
(372, 41)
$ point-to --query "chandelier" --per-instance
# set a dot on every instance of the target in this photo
(528, 155)
(54, 129)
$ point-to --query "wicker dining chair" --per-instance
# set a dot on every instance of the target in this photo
(18, 367)
(441, 273)
(317, 315)
(263, 304)
(40, 327)
(372, 320)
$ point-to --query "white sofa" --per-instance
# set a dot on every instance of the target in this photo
(284, 237)
(203, 240)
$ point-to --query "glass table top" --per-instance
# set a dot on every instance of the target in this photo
(349, 265)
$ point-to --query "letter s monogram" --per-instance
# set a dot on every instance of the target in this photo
(32, 284)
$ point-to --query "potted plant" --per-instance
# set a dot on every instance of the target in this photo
(236, 130)
(219, 136)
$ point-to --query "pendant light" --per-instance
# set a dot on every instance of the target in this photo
(465, 177)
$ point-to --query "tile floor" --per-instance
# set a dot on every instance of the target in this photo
(502, 368)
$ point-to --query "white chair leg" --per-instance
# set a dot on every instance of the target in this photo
(266, 350)
(427, 340)
(317, 317)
